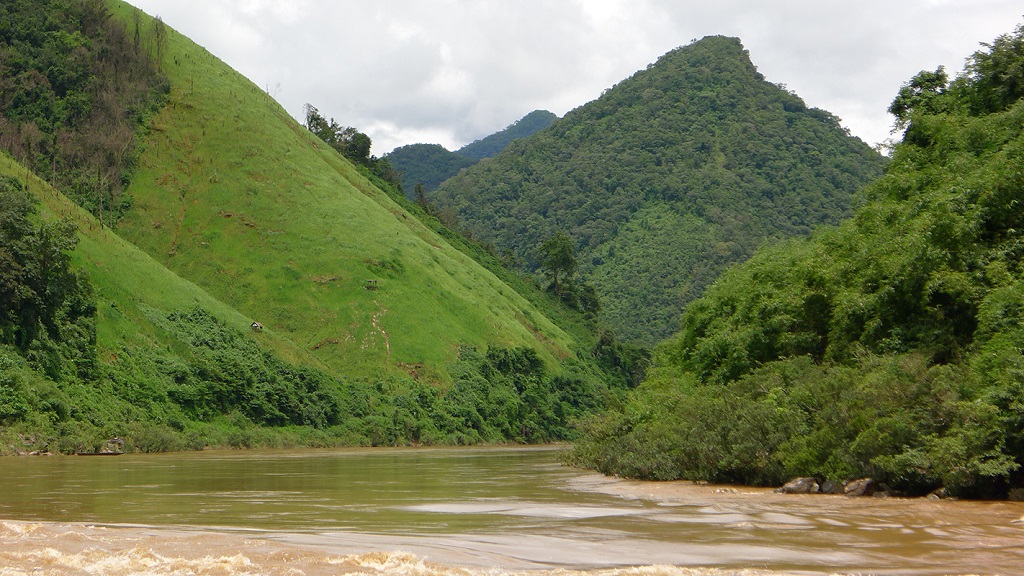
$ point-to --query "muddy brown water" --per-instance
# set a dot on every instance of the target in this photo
(461, 511)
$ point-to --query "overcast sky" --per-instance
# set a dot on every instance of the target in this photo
(452, 71)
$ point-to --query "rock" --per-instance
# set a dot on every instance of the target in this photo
(1017, 495)
(800, 486)
(862, 487)
(883, 490)
(831, 487)
(939, 494)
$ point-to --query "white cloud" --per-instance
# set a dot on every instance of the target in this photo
(451, 71)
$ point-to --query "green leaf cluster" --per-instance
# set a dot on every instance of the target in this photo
(890, 345)
(665, 180)
(350, 143)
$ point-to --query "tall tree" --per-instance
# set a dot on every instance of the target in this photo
(557, 257)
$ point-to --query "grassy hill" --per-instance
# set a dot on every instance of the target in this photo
(376, 329)
(234, 195)
(665, 180)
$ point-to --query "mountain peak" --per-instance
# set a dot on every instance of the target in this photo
(666, 179)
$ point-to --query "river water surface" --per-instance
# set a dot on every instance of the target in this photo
(460, 511)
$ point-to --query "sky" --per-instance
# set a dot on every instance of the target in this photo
(453, 71)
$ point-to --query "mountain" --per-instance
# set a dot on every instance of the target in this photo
(257, 289)
(426, 164)
(431, 164)
(664, 181)
(489, 146)
(888, 346)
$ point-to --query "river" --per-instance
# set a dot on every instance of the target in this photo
(463, 512)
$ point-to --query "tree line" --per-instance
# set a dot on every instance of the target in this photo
(352, 144)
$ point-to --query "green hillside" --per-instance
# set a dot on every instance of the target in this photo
(889, 346)
(115, 373)
(665, 180)
(234, 195)
(431, 164)
(426, 164)
(376, 330)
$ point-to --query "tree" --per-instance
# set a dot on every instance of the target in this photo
(46, 307)
(557, 255)
(918, 95)
(997, 74)
(421, 196)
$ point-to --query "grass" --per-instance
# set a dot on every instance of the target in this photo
(234, 195)
(130, 285)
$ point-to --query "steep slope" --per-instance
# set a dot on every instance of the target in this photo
(431, 164)
(136, 356)
(888, 346)
(234, 195)
(666, 179)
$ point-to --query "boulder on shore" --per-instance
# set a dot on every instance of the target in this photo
(800, 486)
(868, 487)
(831, 487)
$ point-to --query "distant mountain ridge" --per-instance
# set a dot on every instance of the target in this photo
(489, 146)
(431, 164)
(665, 180)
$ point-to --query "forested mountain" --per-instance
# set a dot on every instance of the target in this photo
(369, 325)
(889, 346)
(425, 164)
(431, 164)
(665, 180)
(489, 146)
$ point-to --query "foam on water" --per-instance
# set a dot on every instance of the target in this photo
(31, 549)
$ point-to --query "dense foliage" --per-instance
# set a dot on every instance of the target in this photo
(46, 307)
(216, 386)
(889, 346)
(665, 180)
(75, 86)
(426, 164)
(431, 164)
